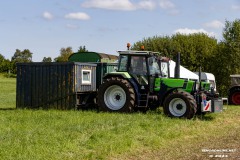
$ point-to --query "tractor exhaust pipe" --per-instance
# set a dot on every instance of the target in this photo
(177, 67)
(200, 78)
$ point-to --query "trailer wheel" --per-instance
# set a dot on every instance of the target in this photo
(116, 94)
(234, 96)
(180, 104)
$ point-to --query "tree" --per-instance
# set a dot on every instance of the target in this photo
(47, 59)
(82, 49)
(231, 35)
(226, 61)
(1, 58)
(22, 56)
(196, 49)
(221, 69)
(64, 54)
(5, 64)
(156, 44)
(2, 63)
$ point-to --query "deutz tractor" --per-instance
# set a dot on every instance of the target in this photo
(142, 82)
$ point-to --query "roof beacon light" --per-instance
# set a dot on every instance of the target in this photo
(142, 48)
(128, 45)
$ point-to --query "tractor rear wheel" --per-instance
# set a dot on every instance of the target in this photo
(116, 94)
(234, 96)
(180, 104)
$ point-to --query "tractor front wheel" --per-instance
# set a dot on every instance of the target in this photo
(180, 104)
(116, 94)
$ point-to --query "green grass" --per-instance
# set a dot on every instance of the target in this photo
(7, 92)
(55, 134)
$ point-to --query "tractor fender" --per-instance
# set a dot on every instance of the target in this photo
(124, 75)
(233, 88)
(165, 94)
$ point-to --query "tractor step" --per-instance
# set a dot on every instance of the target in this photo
(143, 100)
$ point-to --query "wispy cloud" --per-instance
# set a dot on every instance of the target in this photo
(147, 4)
(169, 6)
(77, 16)
(166, 4)
(235, 7)
(47, 15)
(124, 5)
(192, 31)
(214, 24)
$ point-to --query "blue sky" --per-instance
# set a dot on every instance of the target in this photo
(45, 26)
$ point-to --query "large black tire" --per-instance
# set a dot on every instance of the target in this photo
(116, 95)
(180, 104)
(234, 96)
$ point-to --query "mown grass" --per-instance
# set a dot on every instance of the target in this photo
(55, 134)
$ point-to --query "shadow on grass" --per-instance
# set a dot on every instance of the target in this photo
(204, 117)
(201, 117)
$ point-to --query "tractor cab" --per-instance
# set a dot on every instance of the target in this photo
(143, 63)
(235, 80)
(143, 66)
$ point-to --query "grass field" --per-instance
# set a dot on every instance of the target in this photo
(7, 92)
(54, 134)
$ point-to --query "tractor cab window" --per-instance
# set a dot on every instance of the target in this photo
(153, 66)
(235, 80)
(164, 69)
(138, 65)
(123, 63)
(138, 69)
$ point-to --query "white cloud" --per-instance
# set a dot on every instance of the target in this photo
(124, 5)
(109, 4)
(169, 6)
(78, 16)
(166, 4)
(47, 15)
(235, 7)
(191, 31)
(149, 5)
(214, 24)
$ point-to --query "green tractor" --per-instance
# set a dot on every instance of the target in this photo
(142, 82)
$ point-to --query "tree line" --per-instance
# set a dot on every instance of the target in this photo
(197, 50)
(25, 56)
(200, 50)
